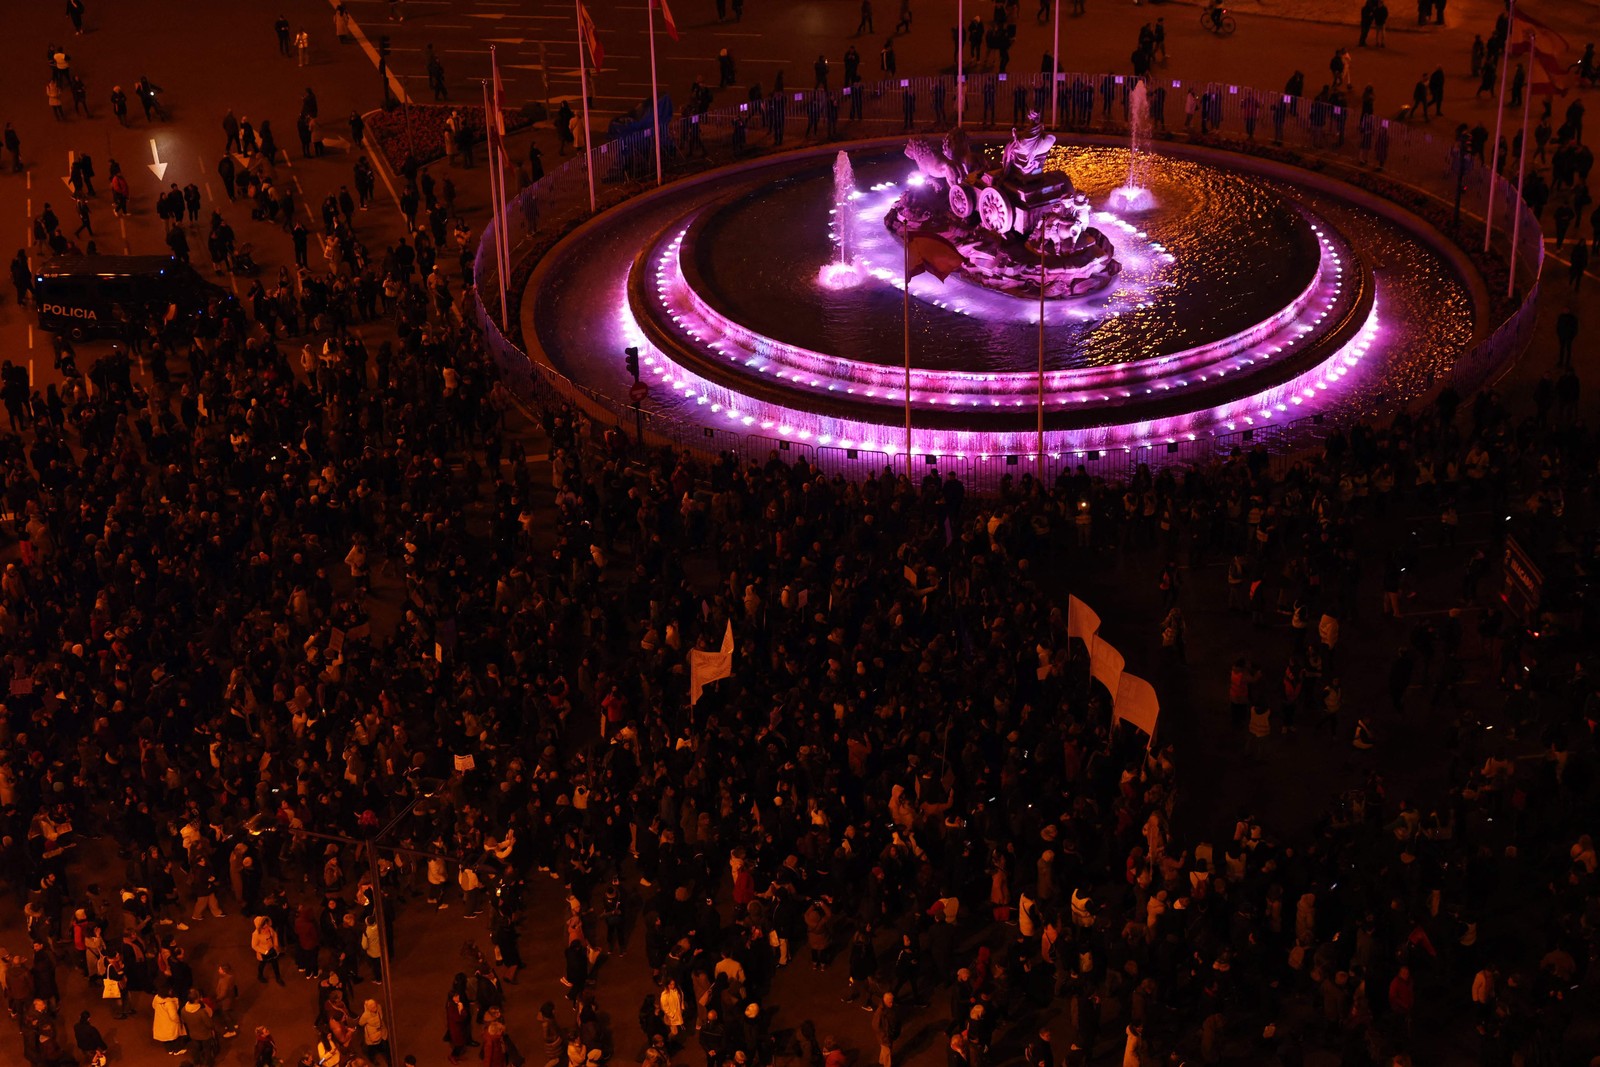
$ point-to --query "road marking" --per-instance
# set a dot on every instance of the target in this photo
(381, 165)
(67, 181)
(30, 341)
(30, 363)
(372, 53)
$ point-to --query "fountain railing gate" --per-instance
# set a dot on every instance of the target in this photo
(1421, 171)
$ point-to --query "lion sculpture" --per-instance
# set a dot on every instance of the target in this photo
(932, 162)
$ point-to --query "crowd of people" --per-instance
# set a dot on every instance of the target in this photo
(907, 777)
(279, 588)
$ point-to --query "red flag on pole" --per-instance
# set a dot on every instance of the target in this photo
(1543, 26)
(932, 253)
(591, 40)
(666, 16)
(499, 96)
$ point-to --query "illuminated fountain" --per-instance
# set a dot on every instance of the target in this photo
(842, 273)
(1135, 195)
(1221, 302)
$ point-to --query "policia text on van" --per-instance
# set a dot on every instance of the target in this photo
(105, 296)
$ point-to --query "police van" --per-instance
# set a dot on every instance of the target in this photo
(101, 296)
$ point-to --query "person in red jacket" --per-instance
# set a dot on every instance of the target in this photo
(1402, 997)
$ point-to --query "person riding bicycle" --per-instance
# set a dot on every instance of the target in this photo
(1215, 11)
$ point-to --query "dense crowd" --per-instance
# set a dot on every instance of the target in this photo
(277, 588)
(905, 775)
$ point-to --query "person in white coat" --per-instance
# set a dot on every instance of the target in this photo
(167, 1026)
(672, 1008)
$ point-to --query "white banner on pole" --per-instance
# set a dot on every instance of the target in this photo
(708, 667)
(1136, 703)
(1105, 665)
(1082, 622)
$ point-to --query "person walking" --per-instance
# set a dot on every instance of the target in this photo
(865, 25)
(225, 1000)
(1566, 334)
(302, 47)
(52, 96)
(264, 943)
(202, 879)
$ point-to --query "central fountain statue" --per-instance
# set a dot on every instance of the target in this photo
(1006, 219)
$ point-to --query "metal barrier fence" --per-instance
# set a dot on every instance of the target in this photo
(1407, 163)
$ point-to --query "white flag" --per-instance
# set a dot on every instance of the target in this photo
(1082, 622)
(1136, 703)
(1105, 665)
(708, 667)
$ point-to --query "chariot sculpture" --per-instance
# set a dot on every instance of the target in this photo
(1013, 221)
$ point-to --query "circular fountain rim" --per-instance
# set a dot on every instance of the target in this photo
(1352, 317)
(1194, 359)
(1200, 423)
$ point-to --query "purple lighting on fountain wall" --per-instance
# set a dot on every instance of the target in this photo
(753, 355)
(717, 360)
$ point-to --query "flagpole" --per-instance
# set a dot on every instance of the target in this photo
(500, 130)
(655, 91)
(498, 174)
(1522, 169)
(583, 87)
(494, 201)
(1499, 118)
(1055, 63)
(961, 48)
(1041, 355)
(905, 292)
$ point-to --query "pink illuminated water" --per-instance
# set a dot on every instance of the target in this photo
(842, 274)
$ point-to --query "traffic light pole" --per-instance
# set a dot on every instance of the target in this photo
(630, 358)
